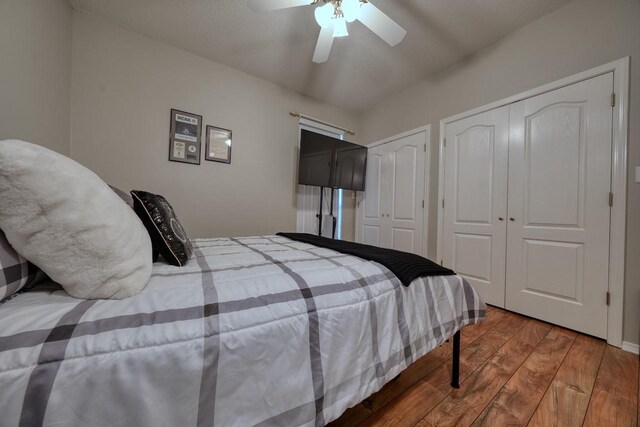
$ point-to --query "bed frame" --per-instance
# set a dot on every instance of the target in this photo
(455, 366)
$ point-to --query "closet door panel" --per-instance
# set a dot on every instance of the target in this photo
(559, 183)
(474, 196)
(405, 178)
(472, 253)
(390, 211)
(371, 204)
(371, 235)
(476, 156)
(554, 166)
(403, 239)
(403, 163)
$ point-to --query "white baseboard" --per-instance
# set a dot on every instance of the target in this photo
(631, 347)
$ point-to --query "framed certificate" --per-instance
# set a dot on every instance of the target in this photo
(218, 147)
(186, 136)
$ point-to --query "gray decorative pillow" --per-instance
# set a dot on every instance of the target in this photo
(16, 272)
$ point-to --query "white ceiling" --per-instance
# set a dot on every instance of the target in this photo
(278, 46)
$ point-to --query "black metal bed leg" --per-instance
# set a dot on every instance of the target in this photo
(455, 366)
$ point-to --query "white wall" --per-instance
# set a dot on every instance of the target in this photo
(123, 88)
(579, 36)
(35, 71)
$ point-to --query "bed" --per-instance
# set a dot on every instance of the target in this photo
(252, 331)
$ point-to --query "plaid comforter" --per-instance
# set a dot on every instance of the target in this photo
(253, 331)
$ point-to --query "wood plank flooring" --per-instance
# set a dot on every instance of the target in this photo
(514, 370)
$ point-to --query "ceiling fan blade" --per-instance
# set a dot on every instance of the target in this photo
(323, 46)
(264, 5)
(383, 26)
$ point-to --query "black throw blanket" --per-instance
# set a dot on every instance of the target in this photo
(407, 267)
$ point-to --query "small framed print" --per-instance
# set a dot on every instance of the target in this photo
(218, 147)
(186, 137)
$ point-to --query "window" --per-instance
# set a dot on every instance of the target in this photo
(308, 197)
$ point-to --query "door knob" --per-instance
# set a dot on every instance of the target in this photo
(500, 218)
(512, 219)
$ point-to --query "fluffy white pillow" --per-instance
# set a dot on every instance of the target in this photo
(66, 220)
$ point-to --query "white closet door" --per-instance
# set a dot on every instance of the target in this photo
(559, 183)
(404, 176)
(370, 208)
(474, 240)
(390, 211)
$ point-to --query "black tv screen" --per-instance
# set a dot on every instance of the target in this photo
(349, 168)
(316, 159)
(330, 162)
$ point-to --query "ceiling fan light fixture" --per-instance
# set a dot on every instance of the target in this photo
(340, 27)
(324, 15)
(350, 9)
(333, 16)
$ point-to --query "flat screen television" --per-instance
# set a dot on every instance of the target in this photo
(330, 162)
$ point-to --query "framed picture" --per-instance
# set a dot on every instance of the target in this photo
(186, 137)
(218, 145)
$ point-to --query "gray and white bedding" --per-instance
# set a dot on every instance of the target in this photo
(252, 331)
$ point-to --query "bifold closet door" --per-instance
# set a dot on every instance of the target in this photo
(558, 204)
(391, 211)
(404, 174)
(475, 205)
(370, 206)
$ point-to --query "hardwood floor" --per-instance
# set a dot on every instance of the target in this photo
(514, 370)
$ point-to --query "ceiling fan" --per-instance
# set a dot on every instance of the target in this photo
(333, 16)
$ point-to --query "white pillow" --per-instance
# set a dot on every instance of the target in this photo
(66, 220)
